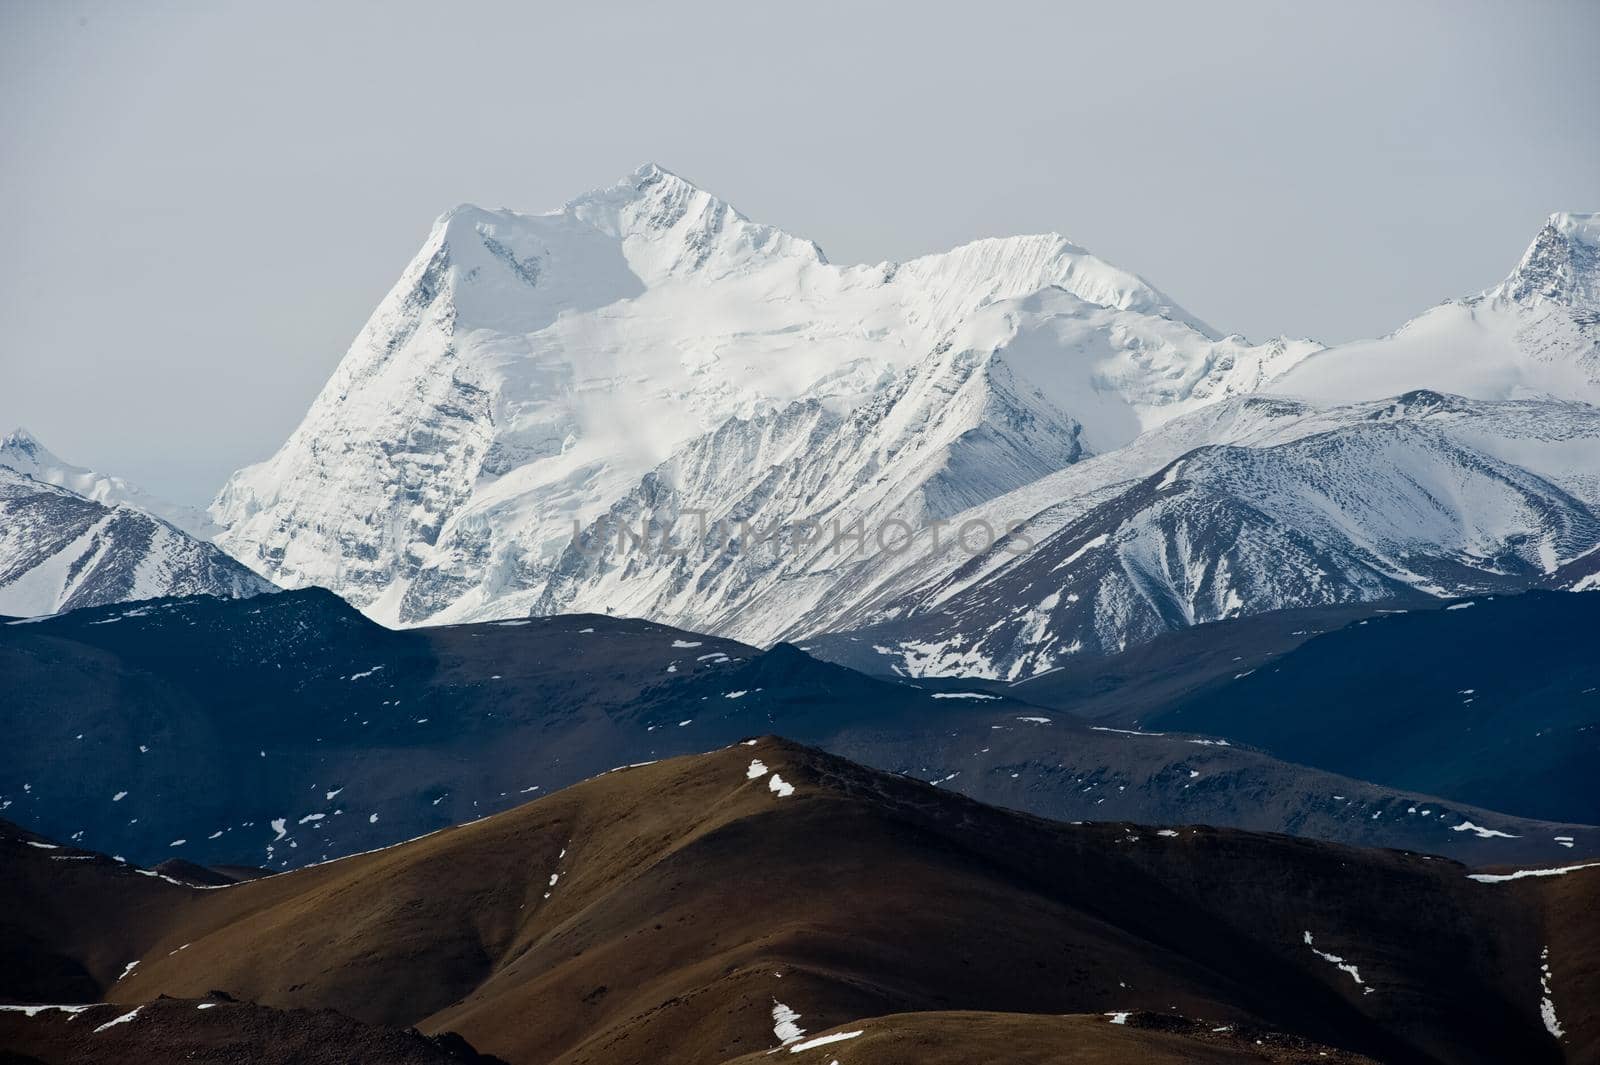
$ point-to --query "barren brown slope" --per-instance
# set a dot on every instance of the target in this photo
(71, 920)
(662, 913)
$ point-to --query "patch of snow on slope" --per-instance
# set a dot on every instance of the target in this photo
(823, 1040)
(1335, 960)
(124, 1019)
(1547, 1006)
(785, 1024)
(1501, 878)
(1481, 832)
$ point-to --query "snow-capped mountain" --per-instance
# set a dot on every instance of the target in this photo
(646, 403)
(60, 550)
(1264, 504)
(1537, 333)
(23, 452)
(532, 374)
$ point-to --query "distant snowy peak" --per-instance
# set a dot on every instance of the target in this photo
(1561, 265)
(60, 551)
(20, 450)
(1536, 334)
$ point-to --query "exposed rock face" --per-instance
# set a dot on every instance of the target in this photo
(60, 551)
(1268, 506)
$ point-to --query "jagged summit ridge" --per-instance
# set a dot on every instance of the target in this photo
(653, 206)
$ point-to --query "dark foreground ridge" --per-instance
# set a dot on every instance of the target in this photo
(216, 1029)
(769, 896)
(1492, 702)
(289, 729)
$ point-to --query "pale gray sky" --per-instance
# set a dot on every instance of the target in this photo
(204, 201)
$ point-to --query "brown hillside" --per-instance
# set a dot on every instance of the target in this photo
(691, 901)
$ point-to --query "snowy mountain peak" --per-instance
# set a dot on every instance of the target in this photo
(1562, 264)
(670, 226)
(648, 181)
(23, 452)
(21, 445)
(529, 374)
(507, 270)
(1582, 226)
(26, 453)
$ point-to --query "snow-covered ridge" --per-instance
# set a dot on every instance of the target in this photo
(23, 452)
(60, 550)
(1250, 505)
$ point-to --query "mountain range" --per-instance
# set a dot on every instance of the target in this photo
(646, 403)
(979, 463)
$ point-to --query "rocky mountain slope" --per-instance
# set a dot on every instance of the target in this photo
(1493, 701)
(767, 898)
(60, 550)
(290, 729)
(1283, 506)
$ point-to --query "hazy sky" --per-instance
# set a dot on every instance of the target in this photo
(203, 202)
